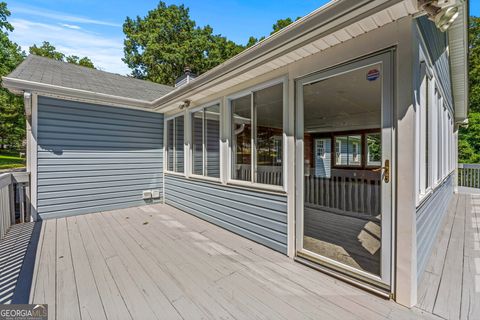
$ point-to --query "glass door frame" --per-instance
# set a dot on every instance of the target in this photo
(385, 59)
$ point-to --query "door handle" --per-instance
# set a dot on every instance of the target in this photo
(386, 171)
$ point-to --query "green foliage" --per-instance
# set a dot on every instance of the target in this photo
(282, 23)
(85, 61)
(469, 138)
(474, 63)
(159, 46)
(49, 51)
(12, 120)
(9, 160)
(277, 26)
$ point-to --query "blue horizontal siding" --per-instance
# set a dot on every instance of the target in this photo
(256, 215)
(93, 157)
(430, 215)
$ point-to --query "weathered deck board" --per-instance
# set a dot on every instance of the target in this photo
(66, 287)
(89, 299)
(470, 308)
(45, 284)
(450, 286)
(112, 301)
(157, 262)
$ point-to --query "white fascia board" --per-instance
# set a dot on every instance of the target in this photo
(323, 21)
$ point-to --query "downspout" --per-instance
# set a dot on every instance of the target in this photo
(27, 103)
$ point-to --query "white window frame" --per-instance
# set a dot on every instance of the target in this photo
(320, 146)
(165, 144)
(355, 152)
(338, 151)
(190, 144)
(229, 179)
(438, 120)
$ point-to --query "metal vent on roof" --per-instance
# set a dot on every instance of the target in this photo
(185, 78)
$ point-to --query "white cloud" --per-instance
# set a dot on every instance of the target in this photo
(33, 11)
(70, 26)
(106, 53)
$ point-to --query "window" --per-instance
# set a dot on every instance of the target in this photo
(422, 132)
(338, 151)
(434, 134)
(257, 136)
(348, 150)
(355, 152)
(320, 149)
(206, 141)
(374, 149)
(175, 144)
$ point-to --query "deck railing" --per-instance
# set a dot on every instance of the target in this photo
(469, 175)
(265, 174)
(351, 192)
(14, 200)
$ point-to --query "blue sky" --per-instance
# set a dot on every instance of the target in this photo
(94, 27)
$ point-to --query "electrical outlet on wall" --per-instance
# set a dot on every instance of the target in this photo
(147, 194)
(155, 194)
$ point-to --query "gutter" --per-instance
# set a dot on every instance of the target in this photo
(321, 22)
(327, 19)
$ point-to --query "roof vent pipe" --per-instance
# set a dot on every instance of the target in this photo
(185, 78)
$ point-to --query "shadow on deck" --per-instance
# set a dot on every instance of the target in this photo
(17, 260)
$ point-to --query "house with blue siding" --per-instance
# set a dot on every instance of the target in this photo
(333, 141)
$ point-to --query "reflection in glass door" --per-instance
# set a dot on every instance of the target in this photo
(345, 132)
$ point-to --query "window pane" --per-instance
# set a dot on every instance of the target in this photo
(341, 150)
(268, 105)
(197, 144)
(348, 150)
(374, 149)
(170, 145)
(179, 152)
(241, 138)
(212, 141)
(355, 150)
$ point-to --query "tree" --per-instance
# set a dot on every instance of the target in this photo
(49, 51)
(282, 23)
(469, 137)
(474, 63)
(277, 26)
(160, 45)
(12, 120)
(86, 62)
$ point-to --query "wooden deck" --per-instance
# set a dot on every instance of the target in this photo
(156, 262)
(450, 286)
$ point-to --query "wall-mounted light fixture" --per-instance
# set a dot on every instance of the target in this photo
(442, 12)
(185, 104)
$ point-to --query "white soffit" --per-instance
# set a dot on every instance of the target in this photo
(377, 20)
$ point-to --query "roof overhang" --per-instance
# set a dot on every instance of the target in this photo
(18, 86)
(334, 23)
(458, 50)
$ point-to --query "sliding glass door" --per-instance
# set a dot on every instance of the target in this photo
(344, 144)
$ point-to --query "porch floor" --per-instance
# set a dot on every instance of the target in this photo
(156, 262)
(450, 285)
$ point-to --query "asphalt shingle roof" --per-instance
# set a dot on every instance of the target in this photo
(58, 73)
